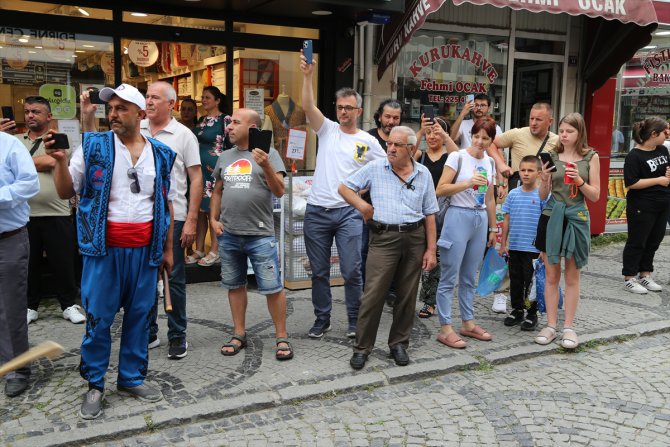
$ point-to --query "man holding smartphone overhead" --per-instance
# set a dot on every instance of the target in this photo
(343, 150)
(476, 106)
(241, 214)
(50, 228)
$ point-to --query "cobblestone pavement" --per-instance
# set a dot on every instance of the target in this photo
(206, 385)
(612, 395)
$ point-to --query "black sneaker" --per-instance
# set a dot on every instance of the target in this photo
(319, 328)
(178, 348)
(530, 323)
(91, 407)
(514, 318)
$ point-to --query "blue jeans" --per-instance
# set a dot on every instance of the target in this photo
(461, 244)
(261, 251)
(321, 226)
(176, 318)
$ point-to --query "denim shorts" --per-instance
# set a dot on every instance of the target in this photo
(261, 251)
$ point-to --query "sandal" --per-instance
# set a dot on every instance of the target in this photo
(281, 349)
(427, 311)
(452, 340)
(236, 348)
(211, 259)
(476, 332)
(546, 336)
(194, 257)
(569, 339)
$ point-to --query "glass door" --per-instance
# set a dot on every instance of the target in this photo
(534, 81)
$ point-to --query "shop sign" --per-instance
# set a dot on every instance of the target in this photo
(640, 12)
(143, 53)
(254, 99)
(63, 100)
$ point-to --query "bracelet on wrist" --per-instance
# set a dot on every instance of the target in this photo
(583, 182)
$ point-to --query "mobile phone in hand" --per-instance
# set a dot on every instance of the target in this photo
(8, 112)
(469, 98)
(94, 97)
(546, 158)
(428, 111)
(260, 139)
(307, 50)
(60, 141)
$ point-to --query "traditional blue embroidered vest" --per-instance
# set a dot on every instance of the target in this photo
(98, 148)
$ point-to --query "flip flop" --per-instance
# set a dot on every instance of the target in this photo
(427, 311)
(477, 332)
(283, 349)
(452, 340)
(236, 348)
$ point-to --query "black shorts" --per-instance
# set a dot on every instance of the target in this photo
(541, 235)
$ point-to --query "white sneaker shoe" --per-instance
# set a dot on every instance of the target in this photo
(634, 287)
(499, 304)
(75, 314)
(154, 342)
(649, 283)
(32, 315)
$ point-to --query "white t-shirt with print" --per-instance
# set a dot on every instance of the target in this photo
(469, 164)
(339, 155)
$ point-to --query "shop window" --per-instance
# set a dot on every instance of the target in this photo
(442, 69)
(184, 22)
(539, 46)
(275, 30)
(56, 65)
(55, 9)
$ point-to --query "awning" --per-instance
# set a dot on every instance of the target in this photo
(631, 13)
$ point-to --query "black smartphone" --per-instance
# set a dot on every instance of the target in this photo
(428, 111)
(94, 96)
(546, 158)
(260, 139)
(8, 112)
(60, 141)
(307, 50)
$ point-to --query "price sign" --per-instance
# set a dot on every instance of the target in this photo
(143, 53)
(295, 147)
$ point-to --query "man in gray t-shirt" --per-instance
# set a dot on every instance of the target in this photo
(241, 216)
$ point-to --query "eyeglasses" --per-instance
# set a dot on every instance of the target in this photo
(347, 108)
(480, 106)
(135, 184)
(392, 143)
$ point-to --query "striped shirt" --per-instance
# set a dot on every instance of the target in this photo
(524, 209)
(393, 201)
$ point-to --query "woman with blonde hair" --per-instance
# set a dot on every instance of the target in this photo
(564, 227)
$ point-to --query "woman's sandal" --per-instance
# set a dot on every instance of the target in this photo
(569, 339)
(211, 259)
(477, 332)
(282, 349)
(546, 336)
(236, 348)
(427, 311)
(194, 257)
(452, 340)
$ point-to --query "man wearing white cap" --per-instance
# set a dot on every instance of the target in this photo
(124, 226)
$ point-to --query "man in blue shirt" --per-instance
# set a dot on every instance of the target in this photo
(401, 219)
(18, 183)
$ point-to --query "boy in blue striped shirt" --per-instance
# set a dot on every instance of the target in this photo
(522, 210)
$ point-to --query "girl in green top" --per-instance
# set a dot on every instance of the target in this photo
(568, 205)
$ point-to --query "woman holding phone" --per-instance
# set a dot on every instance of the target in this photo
(646, 173)
(210, 130)
(564, 227)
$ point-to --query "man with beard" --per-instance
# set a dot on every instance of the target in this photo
(124, 224)
(387, 116)
(50, 228)
(462, 128)
(343, 150)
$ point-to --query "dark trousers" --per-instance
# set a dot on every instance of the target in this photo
(365, 247)
(521, 271)
(646, 229)
(393, 256)
(176, 318)
(13, 277)
(54, 235)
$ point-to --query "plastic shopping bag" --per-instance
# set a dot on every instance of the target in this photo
(537, 287)
(492, 272)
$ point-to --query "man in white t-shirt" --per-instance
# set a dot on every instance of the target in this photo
(461, 130)
(343, 149)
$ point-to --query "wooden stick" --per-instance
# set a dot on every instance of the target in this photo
(49, 349)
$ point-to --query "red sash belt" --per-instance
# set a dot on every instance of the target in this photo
(129, 235)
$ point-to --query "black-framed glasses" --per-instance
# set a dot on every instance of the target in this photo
(135, 184)
(392, 143)
(347, 108)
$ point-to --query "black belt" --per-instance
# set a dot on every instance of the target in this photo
(379, 227)
(7, 234)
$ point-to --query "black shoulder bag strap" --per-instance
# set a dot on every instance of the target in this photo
(543, 144)
(36, 145)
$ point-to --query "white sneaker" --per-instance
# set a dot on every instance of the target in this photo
(75, 314)
(154, 342)
(649, 283)
(32, 315)
(499, 304)
(634, 287)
